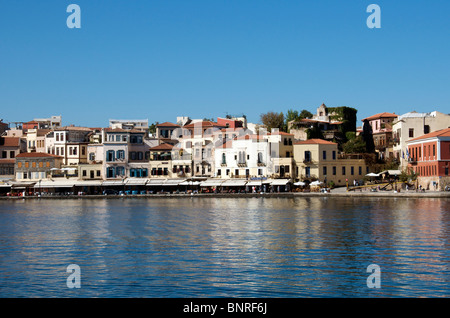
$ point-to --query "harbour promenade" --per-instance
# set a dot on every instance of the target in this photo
(337, 192)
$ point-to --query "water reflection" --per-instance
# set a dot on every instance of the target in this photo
(240, 247)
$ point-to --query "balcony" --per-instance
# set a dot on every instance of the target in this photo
(307, 161)
(412, 161)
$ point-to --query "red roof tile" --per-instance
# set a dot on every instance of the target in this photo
(167, 124)
(36, 155)
(163, 146)
(10, 141)
(314, 141)
(438, 133)
(381, 115)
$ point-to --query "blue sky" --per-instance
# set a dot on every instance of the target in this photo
(155, 60)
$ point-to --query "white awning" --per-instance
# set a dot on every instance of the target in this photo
(88, 183)
(64, 183)
(212, 183)
(155, 182)
(280, 182)
(5, 186)
(257, 182)
(188, 183)
(135, 181)
(234, 183)
(173, 182)
(112, 183)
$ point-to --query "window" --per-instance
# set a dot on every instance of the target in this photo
(307, 155)
(219, 172)
(33, 164)
(41, 164)
(334, 171)
(19, 165)
(4, 154)
(434, 150)
(12, 154)
(140, 155)
(260, 157)
(120, 171)
(47, 164)
(75, 151)
(91, 156)
(83, 151)
(110, 172)
(84, 172)
(236, 172)
(324, 155)
(260, 172)
(411, 132)
(27, 164)
(120, 154)
(352, 170)
(343, 171)
(117, 137)
(426, 129)
(224, 159)
(308, 172)
(57, 137)
(360, 170)
(98, 173)
(324, 171)
(109, 155)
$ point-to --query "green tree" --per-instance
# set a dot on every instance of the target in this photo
(152, 128)
(355, 145)
(367, 136)
(273, 120)
(305, 114)
(314, 132)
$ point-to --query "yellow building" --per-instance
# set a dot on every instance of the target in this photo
(319, 159)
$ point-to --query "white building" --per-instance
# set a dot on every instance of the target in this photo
(412, 125)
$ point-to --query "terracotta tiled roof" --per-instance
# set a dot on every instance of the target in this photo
(167, 124)
(162, 146)
(281, 133)
(314, 141)
(10, 141)
(36, 155)
(438, 133)
(204, 124)
(124, 130)
(7, 161)
(381, 115)
(73, 128)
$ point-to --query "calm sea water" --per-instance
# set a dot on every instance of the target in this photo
(225, 247)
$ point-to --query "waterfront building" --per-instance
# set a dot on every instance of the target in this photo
(245, 156)
(381, 124)
(35, 139)
(70, 143)
(125, 153)
(412, 125)
(168, 132)
(281, 149)
(51, 122)
(429, 157)
(34, 166)
(324, 121)
(320, 160)
(10, 147)
(168, 161)
(136, 124)
(199, 139)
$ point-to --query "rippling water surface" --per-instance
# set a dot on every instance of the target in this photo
(225, 247)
